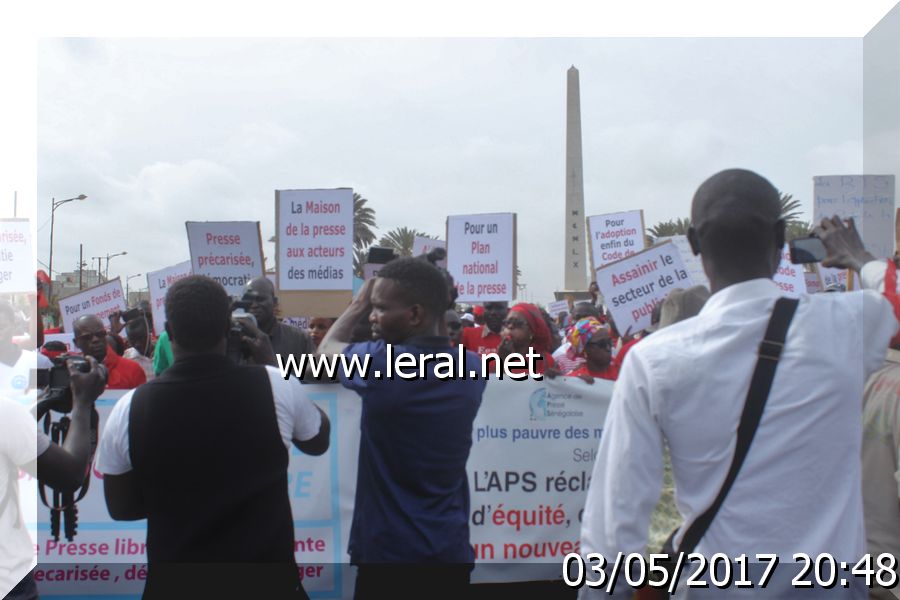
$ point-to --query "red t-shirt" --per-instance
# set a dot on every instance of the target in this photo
(480, 340)
(610, 372)
(620, 356)
(124, 373)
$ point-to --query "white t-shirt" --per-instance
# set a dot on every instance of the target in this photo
(14, 379)
(297, 416)
(19, 445)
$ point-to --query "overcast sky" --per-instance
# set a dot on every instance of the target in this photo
(161, 131)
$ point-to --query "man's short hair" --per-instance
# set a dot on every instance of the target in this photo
(198, 313)
(420, 282)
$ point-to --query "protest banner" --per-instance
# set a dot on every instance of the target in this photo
(16, 260)
(692, 261)
(158, 283)
(481, 256)
(813, 282)
(228, 251)
(615, 236)
(555, 308)
(845, 279)
(101, 300)
(65, 338)
(789, 277)
(869, 199)
(531, 462)
(424, 245)
(534, 444)
(315, 239)
(298, 322)
(631, 287)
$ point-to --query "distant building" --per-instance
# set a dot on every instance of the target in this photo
(67, 284)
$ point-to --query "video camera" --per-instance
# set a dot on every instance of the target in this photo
(58, 396)
(236, 350)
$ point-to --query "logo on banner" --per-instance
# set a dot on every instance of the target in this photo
(538, 404)
(543, 404)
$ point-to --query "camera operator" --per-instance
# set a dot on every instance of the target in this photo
(63, 468)
(216, 492)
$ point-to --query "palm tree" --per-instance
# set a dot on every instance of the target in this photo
(790, 208)
(363, 223)
(796, 229)
(359, 259)
(401, 240)
(668, 228)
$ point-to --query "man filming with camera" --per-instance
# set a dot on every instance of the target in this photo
(62, 467)
(202, 453)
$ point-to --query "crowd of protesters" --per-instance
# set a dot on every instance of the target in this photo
(678, 393)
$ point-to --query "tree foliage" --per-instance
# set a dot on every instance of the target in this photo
(668, 228)
(363, 223)
(401, 240)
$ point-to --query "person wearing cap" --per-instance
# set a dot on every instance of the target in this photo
(468, 320)
(686, 386)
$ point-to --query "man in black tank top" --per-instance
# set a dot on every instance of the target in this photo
(201, 452)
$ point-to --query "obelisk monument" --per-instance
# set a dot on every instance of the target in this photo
(576, 257)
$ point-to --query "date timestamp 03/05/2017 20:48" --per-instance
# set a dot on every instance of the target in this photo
(722, 571)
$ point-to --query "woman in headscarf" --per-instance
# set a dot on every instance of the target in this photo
(524, 328)
(590, 340)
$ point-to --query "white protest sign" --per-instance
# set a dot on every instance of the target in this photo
(424, 245)
(869, 199)
(16, 261)
(525, 506)
(813, 283)
(298, 322)
(158, 283)
(481, 256)
(66, 338)
(555, 308)
(838, 277)
(615, 236)
(228, 251)
(631, 287)
(315, 239)
(692, 262)
(101, 300)
(789, 277)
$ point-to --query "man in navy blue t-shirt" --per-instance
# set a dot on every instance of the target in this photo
(411, 518)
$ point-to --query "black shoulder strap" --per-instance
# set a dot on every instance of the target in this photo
(769, 353)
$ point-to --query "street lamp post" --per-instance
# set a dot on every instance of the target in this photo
(109, 256)
(127, 279)
(54, 204)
